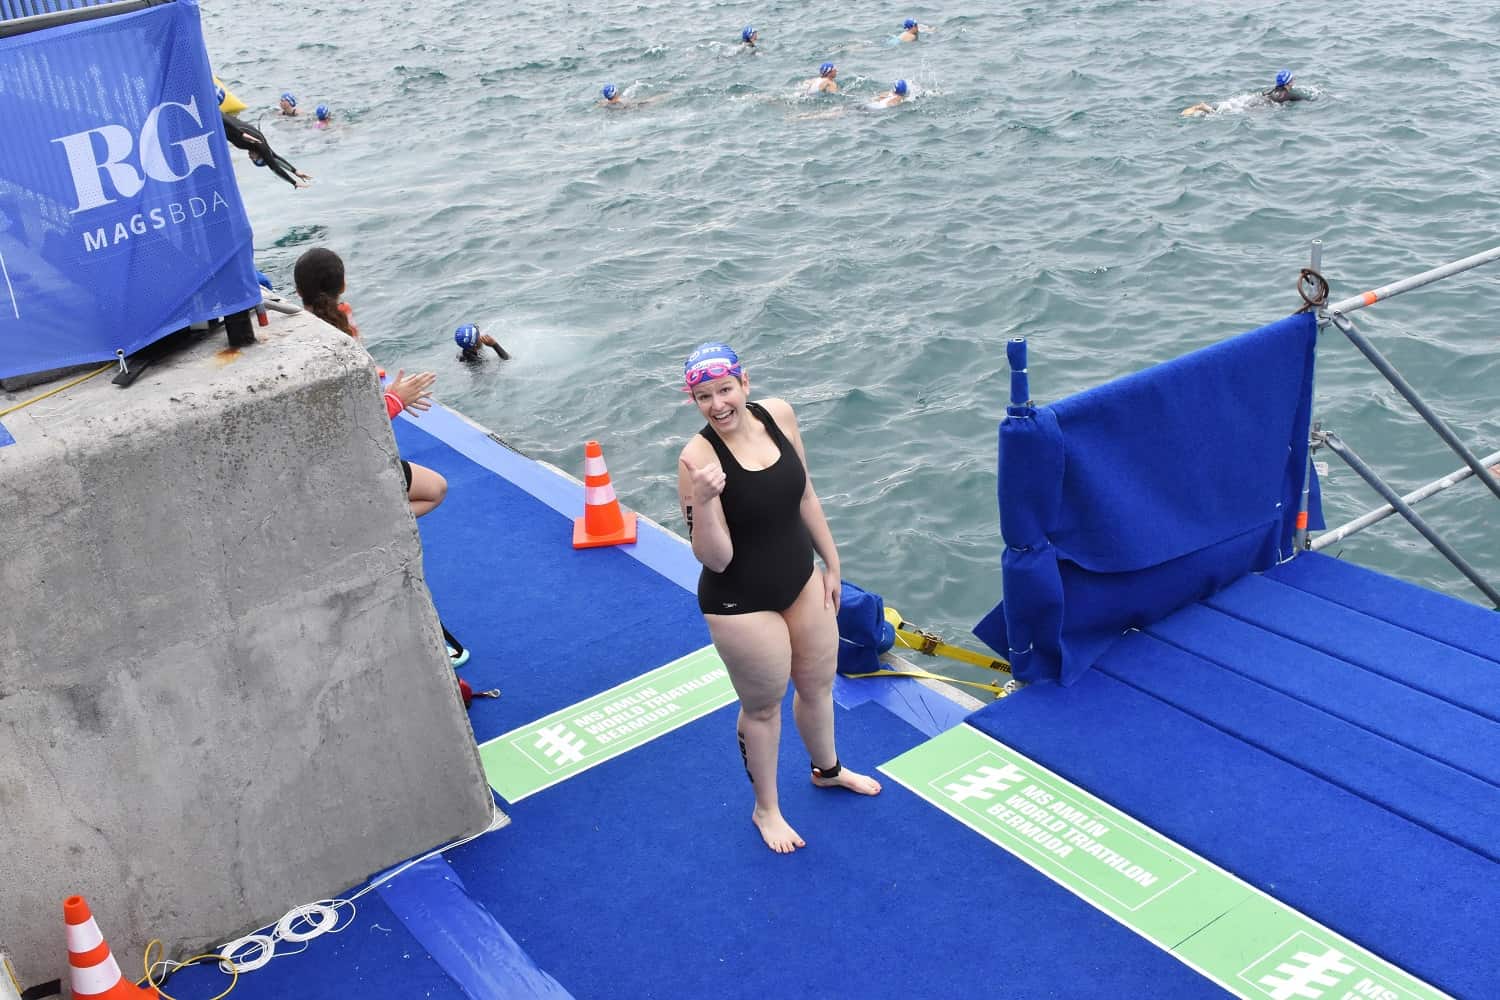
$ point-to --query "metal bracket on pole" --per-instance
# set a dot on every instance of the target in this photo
(1404, 387)
(1343, 451)
(1299, 540)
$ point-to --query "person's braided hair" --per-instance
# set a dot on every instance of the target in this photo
(319, 276)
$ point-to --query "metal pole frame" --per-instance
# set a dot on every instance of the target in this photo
(1299, 540)
(1413, 498)
(1395, 288)
(1380, 486)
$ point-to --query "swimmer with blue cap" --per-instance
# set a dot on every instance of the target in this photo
(748, 37)
(910, 29)
(894, 96)
(824, 82)
(612, 96)
(1283, 92)
(324, 116)
(470, 340)
(288, 103)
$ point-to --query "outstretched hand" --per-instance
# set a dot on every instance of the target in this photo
(414, 391)
(708, 480)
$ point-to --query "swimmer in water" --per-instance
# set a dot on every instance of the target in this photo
(470, 340)
(824, 82)
(324, 116)
(612, 96)
(748, 38)
(1281, 93)
(894, 96)
(909, 30)
(288, 104)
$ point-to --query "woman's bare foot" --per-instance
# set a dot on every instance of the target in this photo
(776, 832)
(852, 780)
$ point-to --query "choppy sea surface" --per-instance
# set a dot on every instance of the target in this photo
(870, 265)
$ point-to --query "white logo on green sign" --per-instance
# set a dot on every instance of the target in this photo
(1304, 968)
(526, 760)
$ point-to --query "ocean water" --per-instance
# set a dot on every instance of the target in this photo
(870, 266)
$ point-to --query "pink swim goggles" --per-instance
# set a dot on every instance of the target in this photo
(709, 362)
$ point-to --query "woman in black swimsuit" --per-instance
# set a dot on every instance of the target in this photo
(755, 524)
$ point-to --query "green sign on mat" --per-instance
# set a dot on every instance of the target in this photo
(526, 760)
(1227, 930)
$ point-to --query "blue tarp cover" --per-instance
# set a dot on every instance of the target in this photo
(1122, 503)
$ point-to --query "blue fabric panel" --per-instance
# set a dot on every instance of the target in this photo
(1457, 623)
(1124, 502)
(1437, 668)
(462, 936)
(5, 437)
(1187, 453)
(1415, 898)
(1460, 805)
(374, 957)
(658, 864)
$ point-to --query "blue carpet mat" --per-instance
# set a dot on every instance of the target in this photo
(547, 624)
(1360, 832)
(644, 878)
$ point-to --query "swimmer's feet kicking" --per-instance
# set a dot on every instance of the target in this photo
(839, 776)
(776, 831)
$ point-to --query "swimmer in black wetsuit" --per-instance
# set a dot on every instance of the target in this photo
(1283, 92)
(470, 340)
(249, 138)
(755, 524)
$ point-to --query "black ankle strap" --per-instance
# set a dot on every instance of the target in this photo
(828, 772)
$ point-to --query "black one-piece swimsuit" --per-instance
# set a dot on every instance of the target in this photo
(773, 552)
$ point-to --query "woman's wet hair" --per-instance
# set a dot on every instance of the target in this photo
(319, 276)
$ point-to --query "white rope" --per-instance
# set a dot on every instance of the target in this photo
(303, 923)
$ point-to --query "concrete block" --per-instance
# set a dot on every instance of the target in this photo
(223, 689)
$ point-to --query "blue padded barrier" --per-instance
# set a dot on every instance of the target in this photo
(1125, 502)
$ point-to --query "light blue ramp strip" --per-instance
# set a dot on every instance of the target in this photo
(463, 937)
(5, 437)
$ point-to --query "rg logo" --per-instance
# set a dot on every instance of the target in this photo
(89, 171)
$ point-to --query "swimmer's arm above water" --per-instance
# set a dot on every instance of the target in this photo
(700, 480)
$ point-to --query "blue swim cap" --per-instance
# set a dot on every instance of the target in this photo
(219, 93)
(466, 336)
(825, 69)
(287, 96)
(322, 112)
(747, 34)
(709, 361)
(909, 24)
(609, 91)
(900, 88)
(1283, 78)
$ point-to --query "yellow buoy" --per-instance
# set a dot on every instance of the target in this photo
(230, 105)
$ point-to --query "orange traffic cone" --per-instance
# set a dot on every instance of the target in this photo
(602, 522)
(94, 972)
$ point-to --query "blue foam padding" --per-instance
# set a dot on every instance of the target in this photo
(374, 957)
(5, 437)
(644, 877)
(1451, 803)
(1404, 715)
(1429, 665)
(462, 936)
(1417, 609)
(1417, 899)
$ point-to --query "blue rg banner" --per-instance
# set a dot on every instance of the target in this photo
(120, 220)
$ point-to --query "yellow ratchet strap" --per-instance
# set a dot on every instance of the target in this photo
(909, 636)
